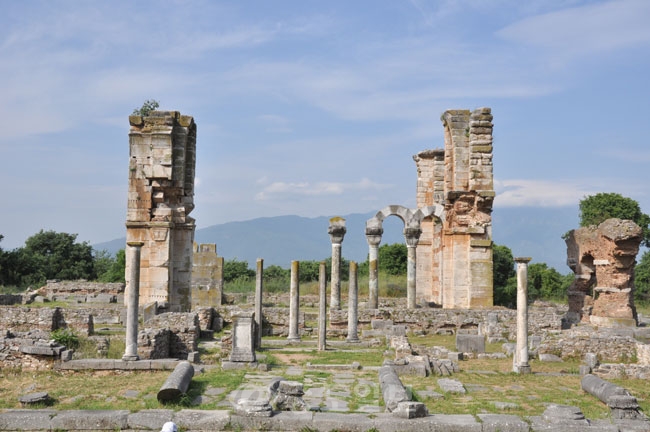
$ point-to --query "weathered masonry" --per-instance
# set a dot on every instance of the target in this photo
(161, 196)
(454, 252)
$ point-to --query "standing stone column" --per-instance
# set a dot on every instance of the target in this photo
(336, 231)
(322, 306)
(373, 236)
(353, 304)
(520, 359)
(259, 284)
(133, 298)
(294, 303)
(412, 235)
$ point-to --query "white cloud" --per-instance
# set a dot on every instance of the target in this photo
(279, 190)
(541, 193)
(589, 29)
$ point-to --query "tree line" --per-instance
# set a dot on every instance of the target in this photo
(51, 255)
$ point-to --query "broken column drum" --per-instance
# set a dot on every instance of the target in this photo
(161, 196)
(177, 383)
(336, 232)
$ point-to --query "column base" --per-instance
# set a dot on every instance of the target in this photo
(129, 358)
(353, 340)
(293, 339)
(523, 369)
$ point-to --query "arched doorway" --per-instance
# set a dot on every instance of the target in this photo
(412, 219)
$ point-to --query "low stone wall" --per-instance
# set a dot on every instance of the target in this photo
(170, 335)
(496, 324)
(82, 291)
(610, 345)
(10, 299)
(31, 350)
(24, 319)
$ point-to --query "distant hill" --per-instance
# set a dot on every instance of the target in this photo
(534, 232)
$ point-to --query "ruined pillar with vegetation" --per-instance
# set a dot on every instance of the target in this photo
(162, 160)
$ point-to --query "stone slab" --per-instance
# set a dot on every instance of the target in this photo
(150, 419)
(502, 423)
(91, 420)
(202, 420)
(347, 422)
(26, 419)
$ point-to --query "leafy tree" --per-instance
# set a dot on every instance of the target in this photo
(234, 269)
(504, 276)
(52, 255)
(146, 108)
(595, 209)
(642, 278)
(546, 283)
(276, 273)
(393, 258)
(110, 269)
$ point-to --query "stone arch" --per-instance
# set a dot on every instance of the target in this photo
(412, 230)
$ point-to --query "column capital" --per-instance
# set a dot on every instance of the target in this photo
(135, 243)
(523, 260)
(412, 236)
(336, 230)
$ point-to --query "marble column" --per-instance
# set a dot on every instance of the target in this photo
(259, 287)
(412, 235)
(520, 359)
(353, 304)
(294, 303)
(373, 236)
(336, 231)
(133, 297)
(322, 306)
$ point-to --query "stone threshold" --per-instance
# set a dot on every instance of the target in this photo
(115, 364)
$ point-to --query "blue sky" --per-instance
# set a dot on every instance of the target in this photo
(316, 108)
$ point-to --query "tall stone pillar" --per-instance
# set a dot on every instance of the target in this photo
(520, 359)
(133, 294)
(322, 306)
(162, 160)
(294, 303)
(259, 282)
(336, 231)
(373, 236)
(353, 304)
(411, 235)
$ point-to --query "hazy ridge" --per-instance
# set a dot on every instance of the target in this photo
(528, 231)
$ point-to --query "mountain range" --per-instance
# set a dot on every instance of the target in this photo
(528, 231)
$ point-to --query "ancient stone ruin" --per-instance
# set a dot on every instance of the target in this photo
(161, 197)
(449, 234)
(603, 258)
(207, 276)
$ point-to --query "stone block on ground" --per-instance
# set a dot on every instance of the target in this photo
(470, 343)
(410, 409)
(254, 408)
(451, 386)
(26, 419)
(90, 420)
(34, 399)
